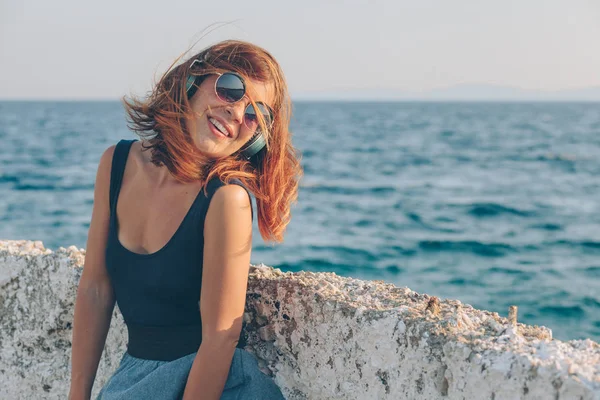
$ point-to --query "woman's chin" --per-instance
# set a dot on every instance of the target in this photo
(207, 148)
(211, 148)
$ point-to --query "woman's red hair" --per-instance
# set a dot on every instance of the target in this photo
(163, 117)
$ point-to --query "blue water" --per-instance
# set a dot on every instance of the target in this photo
(491, 204)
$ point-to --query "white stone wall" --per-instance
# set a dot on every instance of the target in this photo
(320, 335)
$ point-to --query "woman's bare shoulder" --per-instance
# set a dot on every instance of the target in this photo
(104, 166)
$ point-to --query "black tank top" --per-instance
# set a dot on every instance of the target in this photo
(159, 293)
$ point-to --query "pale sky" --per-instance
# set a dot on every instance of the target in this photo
(78, 49)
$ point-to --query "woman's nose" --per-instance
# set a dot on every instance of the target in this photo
(236, 110)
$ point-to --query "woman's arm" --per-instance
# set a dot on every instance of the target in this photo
(227, 248)
(95, 298)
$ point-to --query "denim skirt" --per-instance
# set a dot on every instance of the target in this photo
(141, 379)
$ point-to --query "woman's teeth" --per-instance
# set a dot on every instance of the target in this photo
(219, 126)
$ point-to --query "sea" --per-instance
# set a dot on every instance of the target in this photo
(493, 204)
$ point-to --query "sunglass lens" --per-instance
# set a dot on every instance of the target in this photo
(230, 88)
(251, 119)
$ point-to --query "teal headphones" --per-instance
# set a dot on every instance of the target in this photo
(250, 151)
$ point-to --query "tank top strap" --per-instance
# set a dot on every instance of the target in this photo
(118, 168)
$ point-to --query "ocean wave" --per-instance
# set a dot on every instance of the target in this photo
(508, 271)
(549, 226)
(465, 282)
(574, 311)
(395, 251)
(345, 252)
(347, 190)
(9, 178)
(469, 246)
(586, 244)
(593, 271)
(52, 188)
(591, 302)
(481, 210)
(419, 221)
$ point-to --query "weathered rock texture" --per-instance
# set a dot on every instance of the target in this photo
(321, 336)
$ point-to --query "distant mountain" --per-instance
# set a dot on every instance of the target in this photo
(463, 92)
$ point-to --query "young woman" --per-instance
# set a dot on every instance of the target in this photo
(171, 230)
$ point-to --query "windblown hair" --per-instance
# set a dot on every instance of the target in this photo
(164, 118)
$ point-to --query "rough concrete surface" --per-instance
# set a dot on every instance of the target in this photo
(320, 335)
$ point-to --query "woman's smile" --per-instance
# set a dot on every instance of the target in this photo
(217, 128)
